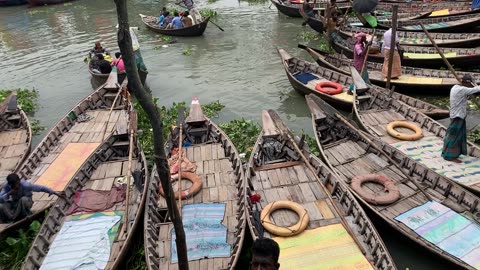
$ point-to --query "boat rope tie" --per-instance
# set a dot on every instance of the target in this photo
(297, 228)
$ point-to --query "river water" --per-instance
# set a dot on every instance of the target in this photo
(44, 48)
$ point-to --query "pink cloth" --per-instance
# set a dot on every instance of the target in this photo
(358, 56)
(119, 63)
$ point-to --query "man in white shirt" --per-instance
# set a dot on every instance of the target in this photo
(455, 141)
(397, 65)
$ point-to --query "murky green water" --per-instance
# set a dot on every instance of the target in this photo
(44, 48)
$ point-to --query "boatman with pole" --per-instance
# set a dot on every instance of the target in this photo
(455, 141)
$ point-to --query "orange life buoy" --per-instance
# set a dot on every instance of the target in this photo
(403, 136)
(392, 195)
(284, 231)
(330, 88)
(194, 189)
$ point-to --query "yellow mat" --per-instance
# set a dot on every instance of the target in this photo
(428, 55)
(344, 96)
(64, 167)
(440, 12)
(417, 80)
(329, 247)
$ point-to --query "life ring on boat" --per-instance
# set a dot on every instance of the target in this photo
(297, 228)
(330, 88)
(197, 184)
(392, 195)
(403, 136)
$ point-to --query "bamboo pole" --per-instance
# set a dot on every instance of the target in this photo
(180, 142)
(133, 123)
(284, 131)
(392, 45)
(369, 45)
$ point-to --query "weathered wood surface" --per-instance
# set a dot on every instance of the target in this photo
(101, 125)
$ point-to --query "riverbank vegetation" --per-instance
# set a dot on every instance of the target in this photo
(28, 101)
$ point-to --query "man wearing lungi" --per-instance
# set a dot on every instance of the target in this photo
(455, 141)
(387, 46)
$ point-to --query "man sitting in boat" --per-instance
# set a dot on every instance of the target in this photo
(16, 198)
(176, 22)
(190, 6)
(162, 16)
(118, 62)
(98, 48)
(101, 65)
(455, 141)
(187, 19)
(265, 254)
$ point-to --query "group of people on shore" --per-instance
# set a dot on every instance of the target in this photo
(102, 62)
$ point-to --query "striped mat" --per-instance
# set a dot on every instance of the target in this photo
(428, 152)
(409, 79)
(329, 247)
(83, 242)
(429, 56)
(447, 229)
(205, 234)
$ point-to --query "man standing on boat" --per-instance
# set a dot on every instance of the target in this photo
(397, 65)
(16, 198)
(455, 141)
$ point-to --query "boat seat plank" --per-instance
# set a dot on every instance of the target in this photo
(269, 128)
(278, 165)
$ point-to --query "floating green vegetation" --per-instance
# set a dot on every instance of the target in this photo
(312, 145)
(323, 44)
(308, 36)
(166, 39)
(14, 249)
(243, 134)
(35, 11)
(212, 1)
(206, 12)
(67, 4)
(28, 101)
(187, 51)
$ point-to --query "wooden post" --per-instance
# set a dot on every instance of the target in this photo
(392, 45)
(132, 129)
(328, 17)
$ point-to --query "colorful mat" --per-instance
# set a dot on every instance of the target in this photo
(205, 233)
(408, 79)
(305, 77)
(447, 229)
(83, 242)
(329, 247)
(439, 12)
(64, 167)
(428, 152)
(427, 26)
(429, 55)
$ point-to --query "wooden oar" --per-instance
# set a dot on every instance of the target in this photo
(180, 120)
(369, 45)
(287, 133)
(132, 130)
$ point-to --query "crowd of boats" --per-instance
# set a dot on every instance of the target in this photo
(313, 206)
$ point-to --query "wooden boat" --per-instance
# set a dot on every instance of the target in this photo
(278, 174)
(70, 143)
(192, 31)
(415, 56)
(99, 79)
(287, 8)
(219, 168)
(424, 7)
(446, 24)
(104, 193)
(406, 196)
(46, 2)
(454, 40)
(375, 115)
(412, 79)
(15, 136)
(294, 68)
(12, 2)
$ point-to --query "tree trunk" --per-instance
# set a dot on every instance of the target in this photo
(125, 44)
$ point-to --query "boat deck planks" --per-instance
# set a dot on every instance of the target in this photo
(218, 187)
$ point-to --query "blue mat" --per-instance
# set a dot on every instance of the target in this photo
(205, 234)
(305, 77)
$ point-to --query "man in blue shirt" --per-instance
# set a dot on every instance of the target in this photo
(16, 198)
(176, 22)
